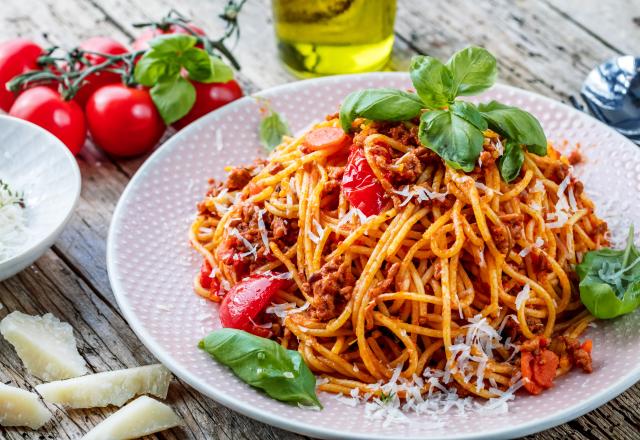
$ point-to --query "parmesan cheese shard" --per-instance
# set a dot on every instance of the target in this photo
(141, 417)
(21, 408)
(109, 388)
(45, 345)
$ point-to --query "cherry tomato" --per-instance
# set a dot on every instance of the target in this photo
(210, 283)
(526, 368)
(123, 120)
(45, 107)
(17, 56)
(208, 98)
(538, 370)
(360, 185)
(544, 368)
(242, 304)
(142, 42)
(96, 80)
(327, 138)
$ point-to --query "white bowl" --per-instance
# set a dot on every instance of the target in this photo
(34, 161)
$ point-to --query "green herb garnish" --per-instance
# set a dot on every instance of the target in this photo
(9, 196)
(264, 364)
(610, 280)
(451, 128)
(161, 69)
(272, 129)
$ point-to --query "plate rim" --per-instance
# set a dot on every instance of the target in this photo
(273, 419)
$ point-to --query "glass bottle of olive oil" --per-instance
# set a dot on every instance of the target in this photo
(325, 37)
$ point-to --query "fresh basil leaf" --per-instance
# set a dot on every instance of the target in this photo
(272, 129)
(516, 125)
(379, 105)
(469, 113)
(511, 161)
(610, 280)
(474, 70)
(433, 81)
(172, 44)
(453, 138)
(173, 98)
(197, 63)
(264, 364)
(205, 68)
(220, 71)
(152, 66)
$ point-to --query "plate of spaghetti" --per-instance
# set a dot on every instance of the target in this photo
(407, 264)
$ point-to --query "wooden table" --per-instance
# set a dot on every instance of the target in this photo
(547, 46)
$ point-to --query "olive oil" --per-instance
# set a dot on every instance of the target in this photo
(325, 37)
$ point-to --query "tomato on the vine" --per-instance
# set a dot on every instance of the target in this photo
(208, 98)
(16, 56)
(45, 107)
(142, 42)
(93, 82)
(123, 120)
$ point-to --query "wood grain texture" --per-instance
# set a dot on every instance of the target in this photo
(547, 46)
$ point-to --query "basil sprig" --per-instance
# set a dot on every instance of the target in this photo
(272, 128)
(161, 69)
(452, 128)
(610, 280)
(379, 104)
(264, 364)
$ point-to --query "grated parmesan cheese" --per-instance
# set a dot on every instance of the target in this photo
(285, 309)
(383, 403)
(523, 296)
(13, 222)
(263, 231)
(251, 249)
(486, 189)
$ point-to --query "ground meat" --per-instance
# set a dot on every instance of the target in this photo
(407, 169)
(238, 178)
(234, 251)
(383, 286)
(399, 131)
(486, 158)
(575, 157)
(278, 227)
(501, 237)
(558, 171)
(572, 349)
(331, 289)
(334, 182)
(515, 223)
(215, 187)
(408, 136)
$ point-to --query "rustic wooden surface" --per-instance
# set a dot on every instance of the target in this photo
(547, 46)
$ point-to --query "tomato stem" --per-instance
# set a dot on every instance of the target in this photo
(69, 69)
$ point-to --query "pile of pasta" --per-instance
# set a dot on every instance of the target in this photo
(454, 272)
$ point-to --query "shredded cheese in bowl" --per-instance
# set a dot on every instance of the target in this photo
(13, 222)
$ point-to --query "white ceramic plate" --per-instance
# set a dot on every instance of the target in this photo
(34, 161)
(151, 265)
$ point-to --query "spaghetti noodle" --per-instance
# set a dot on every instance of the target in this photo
(454, 276)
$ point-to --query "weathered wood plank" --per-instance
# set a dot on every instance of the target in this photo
(615, 22)
(537, 48)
